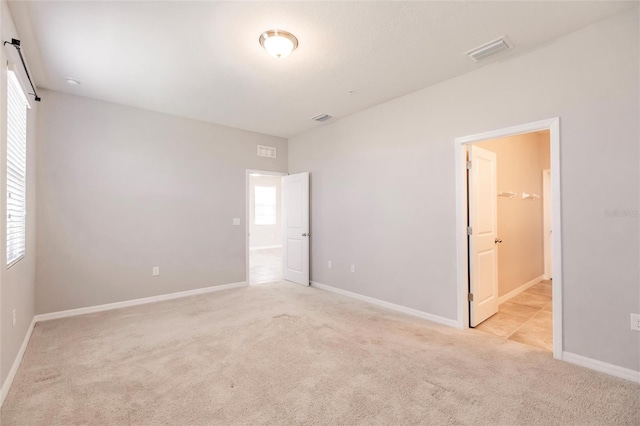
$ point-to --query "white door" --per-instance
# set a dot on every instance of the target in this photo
(546, 211)
(295, 219)
(483, 241)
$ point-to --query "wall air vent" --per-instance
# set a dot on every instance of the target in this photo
(321, 117)
(266, 151)
(488, 49)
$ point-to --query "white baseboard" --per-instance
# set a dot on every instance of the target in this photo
(517, 291)
(135, 302)
(16, 363)
(392, 306)
(264, 247)
(603, 367)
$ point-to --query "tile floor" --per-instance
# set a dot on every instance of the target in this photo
(526, 318)
(265, 265)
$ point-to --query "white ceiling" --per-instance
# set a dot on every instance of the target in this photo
(202, 59)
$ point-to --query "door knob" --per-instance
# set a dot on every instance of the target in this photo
(498, 241)
(304, 234)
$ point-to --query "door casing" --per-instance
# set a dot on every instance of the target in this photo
(553, 125)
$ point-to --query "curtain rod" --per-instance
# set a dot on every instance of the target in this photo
(16, 43)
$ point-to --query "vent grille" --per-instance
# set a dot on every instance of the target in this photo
(489, 49)
(321, 117)
(266, 151)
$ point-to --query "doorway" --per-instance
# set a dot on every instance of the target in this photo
(507, 250)
(505, 285)
(264, 226)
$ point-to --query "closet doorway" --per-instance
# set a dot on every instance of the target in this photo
(505, 257)
(524, 309)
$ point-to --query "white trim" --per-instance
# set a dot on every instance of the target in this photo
(516, 291)
(603, 367)
(388, 305)
(247, 216)
(556, 240)
(16, 363)
(265, 247)
(136, 302)
(553, 125)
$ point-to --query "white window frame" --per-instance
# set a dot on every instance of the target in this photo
(16, 163)
(275, 205)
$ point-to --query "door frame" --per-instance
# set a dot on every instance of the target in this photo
(553, 125)
(247, 217)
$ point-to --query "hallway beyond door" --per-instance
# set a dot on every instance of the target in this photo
(265, 265)
(527, 318)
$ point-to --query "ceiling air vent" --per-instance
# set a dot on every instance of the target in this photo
(266, 151)
(321, 117)
(488, 49)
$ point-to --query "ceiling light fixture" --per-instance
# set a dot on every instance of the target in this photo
(278, 43)
(72, 81)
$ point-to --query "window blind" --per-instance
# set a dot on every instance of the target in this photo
(16, 169)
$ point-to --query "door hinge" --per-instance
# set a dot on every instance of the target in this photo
(468, 165)
(470, 297)
(469, 230)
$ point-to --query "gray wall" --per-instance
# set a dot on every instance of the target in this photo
(383, 183)
(17, 283)
(121, 190)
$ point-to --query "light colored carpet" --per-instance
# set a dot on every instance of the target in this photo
(284, 354)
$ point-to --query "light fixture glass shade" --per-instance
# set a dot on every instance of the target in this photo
(278, 43)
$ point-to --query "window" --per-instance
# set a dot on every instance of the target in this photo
(16, 169)
(265, 205)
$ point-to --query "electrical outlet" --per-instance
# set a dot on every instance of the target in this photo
(635, 322)
(14, 317)
(330, 264)
(353, 268)
(155, 271)
(236, 221)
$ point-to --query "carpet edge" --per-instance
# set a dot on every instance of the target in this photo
(602, 367)
(136, 302)
(4, 391)
(391, 306)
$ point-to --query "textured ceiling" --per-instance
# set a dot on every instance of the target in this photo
(202, 59)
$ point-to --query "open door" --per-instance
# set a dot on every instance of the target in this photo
(295, 219)
(546, 220)
(483, 241)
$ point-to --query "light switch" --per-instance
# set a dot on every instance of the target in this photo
(236, 221)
